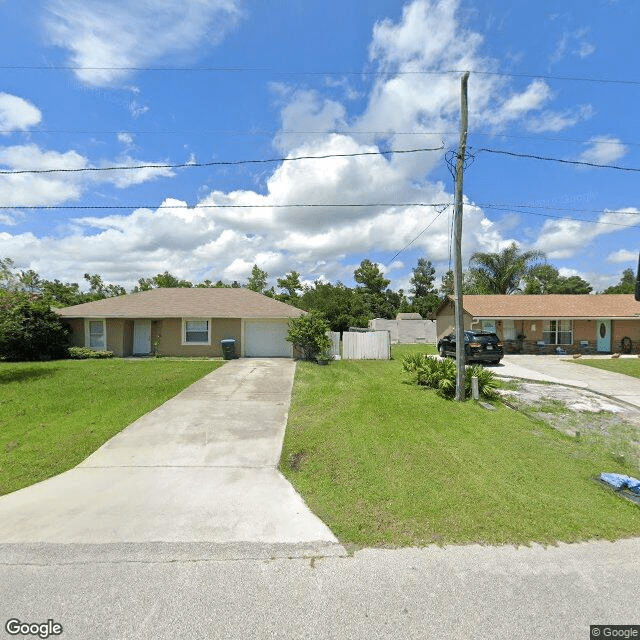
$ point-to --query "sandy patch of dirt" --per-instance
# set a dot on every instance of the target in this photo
(581, 413)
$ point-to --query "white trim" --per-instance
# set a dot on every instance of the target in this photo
(87, 333)
(184, 332)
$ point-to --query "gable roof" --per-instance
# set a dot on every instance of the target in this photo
(552, 306)
(193, 302)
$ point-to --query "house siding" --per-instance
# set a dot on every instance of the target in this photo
(116, 336)
(76, 339)
(445, 320)
(167, 333)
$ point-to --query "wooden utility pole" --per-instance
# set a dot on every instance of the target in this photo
(457, 236)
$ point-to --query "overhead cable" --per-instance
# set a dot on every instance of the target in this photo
(224, 163)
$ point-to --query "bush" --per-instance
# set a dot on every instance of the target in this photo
(309, 333)
(30, 330)
(441, 375)
(85, 353)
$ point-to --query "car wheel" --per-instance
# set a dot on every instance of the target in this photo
(443, 353)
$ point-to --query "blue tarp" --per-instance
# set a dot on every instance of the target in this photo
(618, 481)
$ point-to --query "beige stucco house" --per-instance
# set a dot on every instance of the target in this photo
(548, 323)
(183, 322)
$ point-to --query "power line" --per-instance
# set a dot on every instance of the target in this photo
(221, 163)
(444, 208)
(328, 72)
(444, 205)
(561, 160)
(231, 206)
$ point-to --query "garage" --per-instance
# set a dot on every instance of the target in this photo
(266, 339)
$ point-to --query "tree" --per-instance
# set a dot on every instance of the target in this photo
(425, 297)
(309, 333)
(338, 304)
(370, 277)
(291, 284)
(379, 301)
(62, 294)
(627, 283)
(545, 278)
(99, 289)
(447, 286)
(30, 281)
(7, 274)
(164, 280)
(30, 330)
(258, 280)
(502, 273)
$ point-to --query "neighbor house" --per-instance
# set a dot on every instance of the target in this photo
(407, 328)
(183, 322)
(548, 323)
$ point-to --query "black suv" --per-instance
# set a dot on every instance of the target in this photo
(479, 346)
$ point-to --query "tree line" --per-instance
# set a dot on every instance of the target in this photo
(510, 271)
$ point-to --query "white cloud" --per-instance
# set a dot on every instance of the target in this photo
(101, 35)
(603, 150)
(17, 114)
(573, 43)
(533, 98)
(561, 239)
(554, 121)
(623, 255)
(41, 189)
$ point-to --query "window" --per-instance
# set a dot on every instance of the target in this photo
(96, 335)
(557, 332)
(488, 325)
(196, 332)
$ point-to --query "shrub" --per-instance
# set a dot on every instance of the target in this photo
(85, 353)
(441, 375)
(309, 333)
(30, 330)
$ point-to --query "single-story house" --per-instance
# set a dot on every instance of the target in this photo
(183, 322)
(548, 323)
(407, 328)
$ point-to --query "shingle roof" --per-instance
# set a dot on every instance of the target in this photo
(184, 303)
(553, 306)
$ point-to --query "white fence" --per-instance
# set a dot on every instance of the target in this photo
(372, 345)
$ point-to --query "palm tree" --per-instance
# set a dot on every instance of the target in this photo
(501, 273)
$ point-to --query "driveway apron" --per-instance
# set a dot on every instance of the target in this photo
(563, 370)
(199, 468)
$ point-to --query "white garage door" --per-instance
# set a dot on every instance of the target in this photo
(266, 339)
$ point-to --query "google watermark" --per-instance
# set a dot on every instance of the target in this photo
(15, 627)
(626, 631)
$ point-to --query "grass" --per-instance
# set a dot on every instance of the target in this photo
(626, 366)
(384, 463)
(54, 414)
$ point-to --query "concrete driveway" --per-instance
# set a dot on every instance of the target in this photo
(199, 468)
(565, 370)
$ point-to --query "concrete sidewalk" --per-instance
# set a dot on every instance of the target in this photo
(201, 468)
(563, 370)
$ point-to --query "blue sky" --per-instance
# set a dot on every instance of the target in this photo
(88, 84)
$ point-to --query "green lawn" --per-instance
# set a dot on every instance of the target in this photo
(627, 366)
(54, 414)
(384, 463)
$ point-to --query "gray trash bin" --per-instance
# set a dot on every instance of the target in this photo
(228, 348)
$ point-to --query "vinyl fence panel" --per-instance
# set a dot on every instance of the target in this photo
(372, 345)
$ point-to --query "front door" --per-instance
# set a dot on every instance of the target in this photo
(603, 335)
(141, 337)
